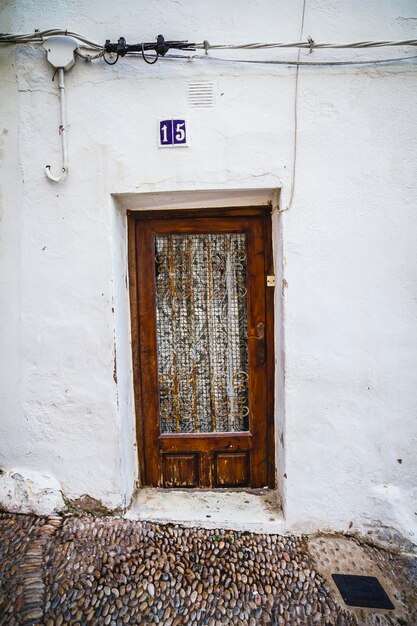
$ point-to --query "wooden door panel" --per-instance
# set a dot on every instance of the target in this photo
(231, 469)
(181, 470)
(166, 253)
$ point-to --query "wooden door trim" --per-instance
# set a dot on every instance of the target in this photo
(188, 213)
(132, 218)
(134, 321)
(270, 348)
(198, 442)
(245, 433)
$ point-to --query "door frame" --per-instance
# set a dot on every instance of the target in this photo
(260, 211)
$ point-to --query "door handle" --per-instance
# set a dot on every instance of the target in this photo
(261, 348)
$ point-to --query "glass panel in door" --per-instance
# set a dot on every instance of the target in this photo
(202, 332)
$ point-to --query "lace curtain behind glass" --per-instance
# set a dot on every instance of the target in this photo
(201, 301)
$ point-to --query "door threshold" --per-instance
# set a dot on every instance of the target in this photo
(252, 510)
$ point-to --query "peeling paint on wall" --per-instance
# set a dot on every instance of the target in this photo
(86, 504)
(23, 491)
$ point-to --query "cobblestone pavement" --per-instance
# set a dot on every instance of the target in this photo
(106, 570)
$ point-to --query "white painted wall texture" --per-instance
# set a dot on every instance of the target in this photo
(347, 407)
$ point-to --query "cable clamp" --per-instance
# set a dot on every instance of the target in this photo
(206, 45)
(312, 44)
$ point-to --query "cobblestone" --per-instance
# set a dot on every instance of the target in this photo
(112, 571)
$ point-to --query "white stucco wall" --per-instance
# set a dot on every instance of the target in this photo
(347, 245)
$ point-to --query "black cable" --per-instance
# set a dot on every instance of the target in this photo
(145, 59)
(108, 62)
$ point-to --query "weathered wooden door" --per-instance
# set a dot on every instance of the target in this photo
(202, 349)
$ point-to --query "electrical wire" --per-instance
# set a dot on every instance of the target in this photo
(294, 155)
(89, 57)
(110, 62)
(146, 59)
(197, 57)
(38, 37)
(309, 44)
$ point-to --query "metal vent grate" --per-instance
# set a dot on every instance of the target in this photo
(201, 93)
(364, 591)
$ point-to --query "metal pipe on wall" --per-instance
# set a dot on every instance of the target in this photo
(62, 132)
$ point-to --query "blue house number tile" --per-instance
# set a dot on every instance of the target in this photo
(165, 132)
(180, 134)
(172, 132)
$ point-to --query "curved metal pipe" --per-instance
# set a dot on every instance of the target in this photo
(62, 132)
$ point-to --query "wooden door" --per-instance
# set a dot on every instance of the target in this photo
(202, 349)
